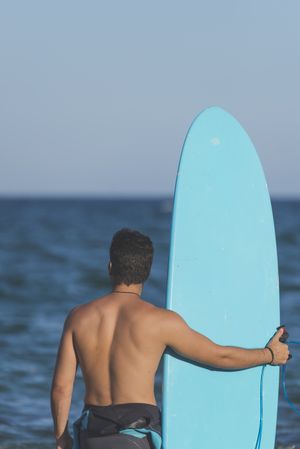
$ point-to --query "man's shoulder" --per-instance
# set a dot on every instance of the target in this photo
(149, 305)
(161, 313)
(78, 313)
(167, 319)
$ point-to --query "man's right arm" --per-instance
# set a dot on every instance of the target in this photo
(193, 345)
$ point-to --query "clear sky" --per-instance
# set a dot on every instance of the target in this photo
(96, 97)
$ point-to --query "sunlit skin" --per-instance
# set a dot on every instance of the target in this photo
(118, 341)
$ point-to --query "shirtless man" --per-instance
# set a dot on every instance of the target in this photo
(118, 341)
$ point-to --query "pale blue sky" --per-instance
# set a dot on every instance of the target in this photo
(96, 97)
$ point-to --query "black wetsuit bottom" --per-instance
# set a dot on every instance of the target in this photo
(114, 442)
(105, 421)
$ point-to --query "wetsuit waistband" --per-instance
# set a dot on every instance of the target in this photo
(124, 405)
(109, 419)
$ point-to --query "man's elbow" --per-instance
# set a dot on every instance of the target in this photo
(59, 390)
(220, 358)
(226, 359)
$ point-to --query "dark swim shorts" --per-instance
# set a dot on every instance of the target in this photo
(118, 426)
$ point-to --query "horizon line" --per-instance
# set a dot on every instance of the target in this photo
(114, 196)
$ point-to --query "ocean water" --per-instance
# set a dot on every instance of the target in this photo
(54, 255)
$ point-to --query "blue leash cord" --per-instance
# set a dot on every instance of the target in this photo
(261, 403)
(283, 373)
(283, 382)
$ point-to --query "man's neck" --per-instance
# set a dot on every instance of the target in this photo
(132, 288)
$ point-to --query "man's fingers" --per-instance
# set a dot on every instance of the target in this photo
(278, 334)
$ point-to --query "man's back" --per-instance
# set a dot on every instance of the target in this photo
(118, 346)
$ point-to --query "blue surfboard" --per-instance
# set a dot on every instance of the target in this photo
(223, 280)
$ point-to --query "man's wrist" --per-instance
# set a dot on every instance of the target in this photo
(269, 355)
(65, 441)
(63, 437)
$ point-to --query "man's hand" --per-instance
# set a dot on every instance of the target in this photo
(64, 442)
(280, 350)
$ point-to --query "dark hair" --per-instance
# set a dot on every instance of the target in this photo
(131, 254)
